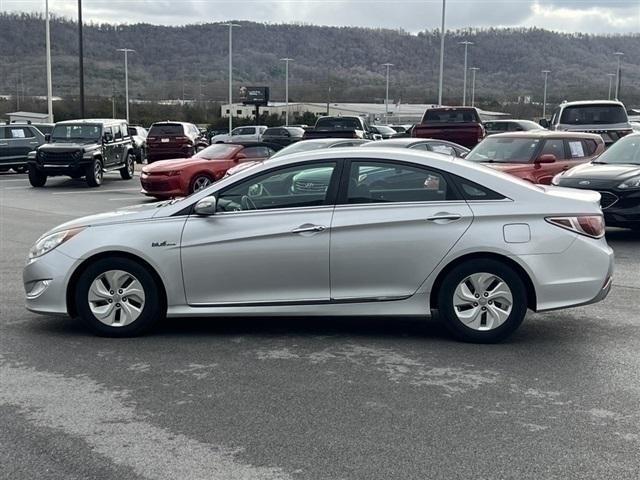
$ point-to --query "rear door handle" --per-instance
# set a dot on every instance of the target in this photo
(450, 217)
(308, 228)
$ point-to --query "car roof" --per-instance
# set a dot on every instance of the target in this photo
(547, 134)
(591, 102)
(93, 121)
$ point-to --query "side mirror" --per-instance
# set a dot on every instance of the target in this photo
(108, 137)
(47, 137)
(240, 156)
(546, 158)
(206, 206)
(544, 123)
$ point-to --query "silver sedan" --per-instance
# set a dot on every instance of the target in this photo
(333, 232)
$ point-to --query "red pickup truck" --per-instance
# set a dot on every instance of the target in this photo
(460, 125)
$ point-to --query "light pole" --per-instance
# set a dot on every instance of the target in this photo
(619, 55)
(48, 55)
(286, 61)
(126, 76)
(473, 85)
(464, 85)
(544, 96)
(444, 4)
(386, 97)
(230, 25)
(80, 59)
(611, 76)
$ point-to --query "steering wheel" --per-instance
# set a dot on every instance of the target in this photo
(247, 203)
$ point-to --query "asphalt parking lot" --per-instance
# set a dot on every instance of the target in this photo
(302, 398)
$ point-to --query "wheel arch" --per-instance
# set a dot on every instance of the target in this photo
(532, 300)
(73, 280)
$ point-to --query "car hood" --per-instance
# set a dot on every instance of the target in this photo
(596, 171)
(66, 146)
(126, 214)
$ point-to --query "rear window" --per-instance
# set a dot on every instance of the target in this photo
(166, 130)
(337, 123)
(593, 114)
(466, 115)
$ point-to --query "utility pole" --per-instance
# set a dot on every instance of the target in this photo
(230, 25)
(113, 99)
(286, 61)
(464, 85)
(126, 77)
(48, 55)
(386, 97)
(81, 59)
(444, 4)
(611, 76)
(619, 55)
(473, 85)
(544, 96)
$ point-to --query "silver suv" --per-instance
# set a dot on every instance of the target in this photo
(605, 117)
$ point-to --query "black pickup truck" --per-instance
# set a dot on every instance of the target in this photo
(341, 127)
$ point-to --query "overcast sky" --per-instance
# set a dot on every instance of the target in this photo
(593, 16)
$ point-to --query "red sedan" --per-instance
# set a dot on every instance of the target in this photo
(183, 176)
(537, 155)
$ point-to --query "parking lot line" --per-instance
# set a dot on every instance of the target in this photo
(15, 188)
(2, 180)
(79, 192)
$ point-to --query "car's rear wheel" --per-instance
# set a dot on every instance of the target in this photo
(482, 300)
(94, 173)
(118, 297)
(199, 182)
(127, 171)
(36, 177)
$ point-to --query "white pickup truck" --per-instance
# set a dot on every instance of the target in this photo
(241, 134)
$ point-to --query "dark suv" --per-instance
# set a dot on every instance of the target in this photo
(16, 141)
(174, 140)
(84, 148)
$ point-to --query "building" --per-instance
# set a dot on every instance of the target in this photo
(24, 117)
(375, 112)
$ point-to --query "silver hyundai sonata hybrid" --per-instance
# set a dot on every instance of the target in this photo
(333, 232)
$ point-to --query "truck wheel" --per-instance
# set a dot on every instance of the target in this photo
(37, 178)
(94, 173)
(126, 172)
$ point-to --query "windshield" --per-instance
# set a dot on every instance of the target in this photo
(624, 151)
(593, 114)
(466, 115)
(339, 123)
(69, 132)
(504, 150)
(219, 150)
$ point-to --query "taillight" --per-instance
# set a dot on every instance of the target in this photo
(588, 225)
(151, 139)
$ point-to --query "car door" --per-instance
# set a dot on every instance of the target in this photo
(108, 146)
(20, 140)
(267, 244)
(393, 224)
(544, 172)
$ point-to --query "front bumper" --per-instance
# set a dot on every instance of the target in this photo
(162, 186)
(45, 282)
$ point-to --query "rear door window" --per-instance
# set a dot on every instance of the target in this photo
(554, 146)
(576, 149)
(19, 132)
(117, 134)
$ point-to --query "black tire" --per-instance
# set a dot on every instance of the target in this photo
(36, 177)
(197, 180)
(152, 310)
(94, 173)
(457, 275)
(129, 168)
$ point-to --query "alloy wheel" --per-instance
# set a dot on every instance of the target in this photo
(482, 301)
(116, 298)
(97, 172)
(201, 182)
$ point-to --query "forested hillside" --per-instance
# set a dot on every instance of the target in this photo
(191, 61)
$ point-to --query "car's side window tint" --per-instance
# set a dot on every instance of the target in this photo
(299, 186)
(554, 147)
(442, 148)
(383, 182)
(117, 134)
(419, 146)
(576, 148)
(473, 191)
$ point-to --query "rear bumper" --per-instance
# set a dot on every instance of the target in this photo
(159, 153)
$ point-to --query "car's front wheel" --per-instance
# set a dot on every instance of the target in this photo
(127, 171)
(118, 297)
(36, 177)
(95, 173)
(482, 300)
(199, 182)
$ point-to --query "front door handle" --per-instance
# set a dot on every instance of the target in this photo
(444, 217)
(308, 228)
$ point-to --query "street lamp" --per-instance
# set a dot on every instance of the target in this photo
(464, 87)
(126, 76)
(473, 85)
(230, 25)
(610, 75)
(544, 100)
(619, 55)
(386, 97)
(48, 55)
(286, 61)
(444, 4)
(80, 59)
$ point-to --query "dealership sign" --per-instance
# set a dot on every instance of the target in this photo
(254, 95)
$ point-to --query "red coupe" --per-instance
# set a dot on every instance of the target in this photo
(537, 155)
(183, 176)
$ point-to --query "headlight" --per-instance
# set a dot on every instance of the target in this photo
(173, 173)
(49, 242)
(631, 183)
